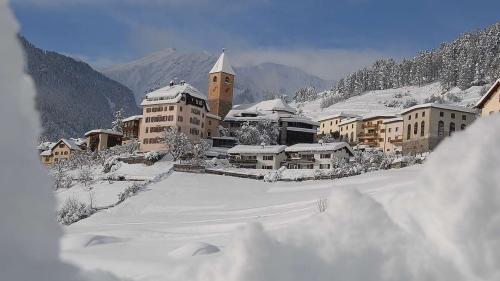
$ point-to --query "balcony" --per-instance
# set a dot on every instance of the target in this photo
(242, 161)
(369, 126)
(396, 141)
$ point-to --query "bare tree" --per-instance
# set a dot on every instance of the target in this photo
(177, 144)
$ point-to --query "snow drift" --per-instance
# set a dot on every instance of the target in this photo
(447, 229)
(29, 234)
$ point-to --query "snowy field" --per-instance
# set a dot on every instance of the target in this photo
(186, 209)
(372, 102)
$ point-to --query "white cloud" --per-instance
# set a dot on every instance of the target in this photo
(330, 64)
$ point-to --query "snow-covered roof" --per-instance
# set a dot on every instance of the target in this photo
(337, 115)
(46, 153)
(486, 96)
(301, 119)
(71, 144)
(45, 145)
(132, 118)
(257, 149)
(349, 120)
(319, 147)
(379, 116)
(171, 94)
(267, 105)
(213, 116)
(103, 131)
(441, 106)
(392, 120)
(222, 65)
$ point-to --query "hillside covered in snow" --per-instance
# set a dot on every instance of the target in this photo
(253, 83)
(394, 100)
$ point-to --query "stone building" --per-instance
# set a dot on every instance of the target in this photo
(350, 128)
(329, 125)
(426, 125)
(221, 86)
(393, 136)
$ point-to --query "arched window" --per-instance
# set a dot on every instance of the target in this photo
(408, 133)
(415, 128)
(440, 128)
(214, 79)
(422, 128)
(462, 127)
(227, 79)
(452, 128)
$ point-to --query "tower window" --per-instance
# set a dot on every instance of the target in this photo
(227, 79)
(214, 79)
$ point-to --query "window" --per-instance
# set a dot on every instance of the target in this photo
(389, 139)
(408, 133)
(180, 118)
(397, 129)
(61, 145)
(462, 127)
(214, 79)
(336, 122)
(227, 79)
(352, 136)
(195, 111)
(422, 128)
(57, 153)
(170, 108)
(267, 157)
(464, 117)
(423, 113)
(180, 108)
(415, 128)
(209, 122)
(389, 130)
(148, 110)
(65, 153)
(441, 114)
(440, 128)
(331, 123)
(453, 116)
(324, 166)
(409, 117)
(325, 156)
(323, 125)
(267, 167)
(452, 128)
(179, 129)
(416, 115)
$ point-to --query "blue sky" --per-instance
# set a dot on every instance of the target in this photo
(327, 38)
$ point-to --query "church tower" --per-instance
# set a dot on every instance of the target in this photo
(220, 87)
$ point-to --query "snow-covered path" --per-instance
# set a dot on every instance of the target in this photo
(187, 208)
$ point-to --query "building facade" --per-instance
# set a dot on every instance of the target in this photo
(350, 129)
(490, 102)
(426, 125)
(316, 155)
(269, 157)
(372, 133)
(131, 128)
(178, 107)
(329, 125)
(102, 139)
(212, 125)
(392, 133)
(220, 87)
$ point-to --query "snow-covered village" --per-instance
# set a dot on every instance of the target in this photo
(174, 146)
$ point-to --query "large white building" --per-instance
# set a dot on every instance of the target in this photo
(293, 128)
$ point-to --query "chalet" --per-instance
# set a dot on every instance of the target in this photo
(257, 156)
(316, 155)
(59, 151)
(490, 102)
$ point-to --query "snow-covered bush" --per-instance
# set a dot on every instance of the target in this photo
(265, 131)
(322, 204)
(111, 164)
(177, 144)
(409, 103)
(129, 192)
(73, 211)
(451, 97)
(197, 155)
(85, 176)
(60, 177)
(275, 175)
(153, 156)
(434, 99)
(217, 163)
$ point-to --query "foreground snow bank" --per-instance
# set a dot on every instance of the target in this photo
(29, 235)
(448, 229)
